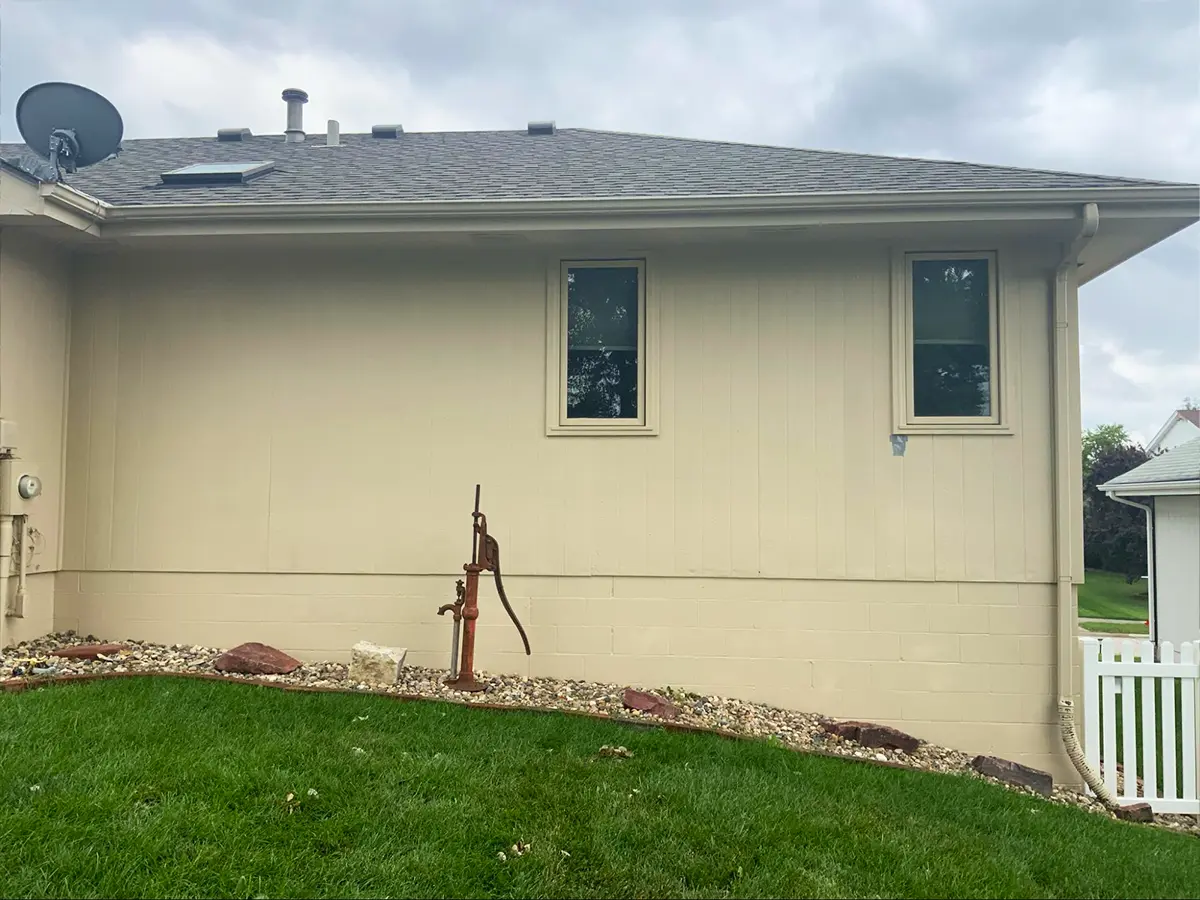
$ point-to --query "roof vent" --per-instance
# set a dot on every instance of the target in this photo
(541, 128)
(333, 133)
(232, 134)
(386, 131)
(295, 99)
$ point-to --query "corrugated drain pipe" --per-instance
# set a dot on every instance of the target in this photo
(1065, 291)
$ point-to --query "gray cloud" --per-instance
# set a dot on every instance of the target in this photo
(1104, 86)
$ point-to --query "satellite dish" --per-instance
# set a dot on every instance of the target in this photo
(70, 125)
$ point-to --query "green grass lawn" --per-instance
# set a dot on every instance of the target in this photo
(165, 787)
(1116, 627)
(1105, 595)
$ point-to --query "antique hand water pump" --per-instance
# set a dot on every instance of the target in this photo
(485, 557)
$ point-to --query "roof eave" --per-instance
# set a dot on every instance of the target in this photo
(1152, 488)
(1187, 197)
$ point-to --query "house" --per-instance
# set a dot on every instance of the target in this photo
(1167, 487)
(792, 425)
(1181, 427)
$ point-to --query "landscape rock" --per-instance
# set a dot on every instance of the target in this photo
(253, 658)
(88, 651)
(868, 734)
(372, 664)
(1014, 773)
(1135, 812)
(649, 703)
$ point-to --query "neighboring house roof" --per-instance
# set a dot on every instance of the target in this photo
(1186, 415)
(571, 163)
(1175, 471)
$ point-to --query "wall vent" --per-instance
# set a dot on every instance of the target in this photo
(233, 134)
(541, 128)
(386, 131)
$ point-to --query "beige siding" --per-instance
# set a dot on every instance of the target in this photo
(284, 449)
(335, 419)
(34, 320)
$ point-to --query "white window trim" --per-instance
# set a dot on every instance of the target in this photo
(903, 419)
(557, 422)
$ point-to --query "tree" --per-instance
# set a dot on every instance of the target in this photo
(1114, 534)
(1102, 439)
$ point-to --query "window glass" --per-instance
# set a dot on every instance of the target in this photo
(602, 342)
(952, 360)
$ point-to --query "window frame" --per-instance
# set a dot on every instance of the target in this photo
(557, 422)
(905, 420)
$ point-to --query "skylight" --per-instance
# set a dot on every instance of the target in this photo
(218, 173)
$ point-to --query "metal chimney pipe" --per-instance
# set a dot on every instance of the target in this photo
(295, 99)
(332, 133)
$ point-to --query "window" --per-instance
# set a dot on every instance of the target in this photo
(218, 173)
(947, 317)
(599, 373)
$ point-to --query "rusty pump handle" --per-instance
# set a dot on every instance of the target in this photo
(492, 561)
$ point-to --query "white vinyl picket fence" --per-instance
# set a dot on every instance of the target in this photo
(1159, 720)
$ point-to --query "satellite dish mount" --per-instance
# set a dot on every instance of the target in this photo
(64, 150)
(71, 126)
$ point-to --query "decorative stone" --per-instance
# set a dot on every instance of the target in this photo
(1014, 773)
(649, 703)
(1135, 812)
(372, 664)
(88, 651)
(868, 734)
(253, 658)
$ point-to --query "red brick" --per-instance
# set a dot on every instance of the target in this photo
(88, 651)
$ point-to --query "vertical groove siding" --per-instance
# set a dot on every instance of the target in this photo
(333, 414)
(35, 285)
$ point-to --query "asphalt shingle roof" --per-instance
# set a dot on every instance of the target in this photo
(572, 163)
(1180, 463)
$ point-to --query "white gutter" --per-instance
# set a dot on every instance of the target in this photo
(1152, 489)
(1150, 560)
(60, 194)
(1065, 302)
(1053, 204)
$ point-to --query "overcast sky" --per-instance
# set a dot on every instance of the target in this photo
(1100, 86)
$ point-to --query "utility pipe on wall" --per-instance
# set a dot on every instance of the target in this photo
(6, 540)
(21, 535)
(1065, 301)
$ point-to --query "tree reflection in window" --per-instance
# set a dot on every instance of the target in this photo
(602, 342)
(952, 361)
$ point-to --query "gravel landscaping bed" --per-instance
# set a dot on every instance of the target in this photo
(798, 730)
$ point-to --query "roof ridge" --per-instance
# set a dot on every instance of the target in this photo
(885, 156)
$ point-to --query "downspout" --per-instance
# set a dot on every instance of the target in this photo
(1065, 281)
(1150, 561)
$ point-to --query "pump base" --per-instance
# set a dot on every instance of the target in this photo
(465, 683)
